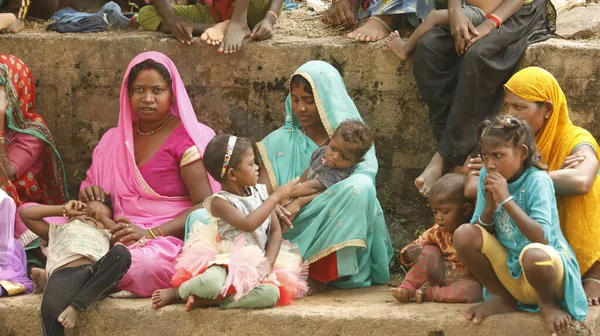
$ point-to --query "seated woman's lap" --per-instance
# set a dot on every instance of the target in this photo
(152, 266)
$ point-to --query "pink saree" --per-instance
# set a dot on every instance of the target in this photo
(114, 169)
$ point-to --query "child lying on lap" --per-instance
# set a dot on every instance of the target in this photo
(81, 266)
(335, 162)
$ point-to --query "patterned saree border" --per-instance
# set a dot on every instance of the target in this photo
(337, 247)
(262, 151)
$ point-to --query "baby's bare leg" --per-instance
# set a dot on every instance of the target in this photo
(404, 49)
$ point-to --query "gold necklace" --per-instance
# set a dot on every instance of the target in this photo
(324, 142)
(156, 129)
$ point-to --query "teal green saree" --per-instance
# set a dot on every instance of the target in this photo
(347, 218)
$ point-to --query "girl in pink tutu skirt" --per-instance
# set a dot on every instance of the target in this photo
(239, 259)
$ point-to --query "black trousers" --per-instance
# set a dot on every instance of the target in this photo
(80, 285)
(462, 91)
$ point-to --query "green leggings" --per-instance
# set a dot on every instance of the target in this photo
(149, 18)
(208, 286)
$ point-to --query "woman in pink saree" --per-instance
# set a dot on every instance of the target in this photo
(151, 167)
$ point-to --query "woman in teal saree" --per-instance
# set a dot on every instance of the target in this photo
(341, 233)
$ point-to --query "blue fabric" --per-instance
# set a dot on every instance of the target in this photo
(534, 193)
(111, 11)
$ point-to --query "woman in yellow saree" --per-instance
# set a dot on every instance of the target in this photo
(572, 155)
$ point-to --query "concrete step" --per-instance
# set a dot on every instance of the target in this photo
(361, 312)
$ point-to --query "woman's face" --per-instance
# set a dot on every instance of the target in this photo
(304, 107)
(150, 96)
(530, 112)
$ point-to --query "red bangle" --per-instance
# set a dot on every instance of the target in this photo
(496, 19)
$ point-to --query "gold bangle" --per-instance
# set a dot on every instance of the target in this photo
(152, 233)
(159, 230)
(64, 211)
(274, 14)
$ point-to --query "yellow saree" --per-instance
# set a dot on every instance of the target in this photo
(579, 215)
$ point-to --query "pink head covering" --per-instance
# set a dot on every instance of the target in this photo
(113, 163)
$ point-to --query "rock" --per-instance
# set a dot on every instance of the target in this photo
(579, 22)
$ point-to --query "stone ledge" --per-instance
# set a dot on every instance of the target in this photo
(78, 78)
(369, 311)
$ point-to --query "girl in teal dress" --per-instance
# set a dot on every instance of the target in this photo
(516, 248)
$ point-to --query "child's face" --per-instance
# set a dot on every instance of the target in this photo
(448, 214)
(304, 107)
(340, 154)
(93, 206)
(503, 158)
(246, 173)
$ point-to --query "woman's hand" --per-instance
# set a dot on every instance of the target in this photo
(340, 13)
(573, 160)
(126, 232)
(74, 208)
(263, 30)
(484, 29)
(93, 193)
(293, 209)
(496, 185)
(475, 165)
(461, 29)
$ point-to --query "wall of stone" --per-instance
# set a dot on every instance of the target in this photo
(78, 78)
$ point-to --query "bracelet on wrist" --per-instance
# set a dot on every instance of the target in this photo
(496, 19)
(484, 224)
(508, 199)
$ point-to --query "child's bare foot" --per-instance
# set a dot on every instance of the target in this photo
(235, 35)
(39, 278)
(397, 45)
(430, 175)
(420, 295)
(401, 295)
(315, 287)
(557, 319)
(495, 306)
(16, 27)
(68, 317)
(214, 35)
(163, 297)
(195, 302)
(373, 30)
(7, 20)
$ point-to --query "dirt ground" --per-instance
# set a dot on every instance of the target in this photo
(300, 22)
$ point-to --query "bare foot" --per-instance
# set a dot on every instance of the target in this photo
(592, 291)
(163, 297)
(16, 27)
(214, 35)
(401, 295)
(557, 319)
(430, 175)
(371, 31)
(495, 306)
(315, 287)
(68, 317)
(235, 35)
(7, 20)
(195, 302)
(397, 45)
(39, 278)
(420, 295)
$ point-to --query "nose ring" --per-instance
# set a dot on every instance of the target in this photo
(303, 109)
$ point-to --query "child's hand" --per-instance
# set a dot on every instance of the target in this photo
(74, 208)
(412, 252)
(496, 184)
(285, 190)
(263, 30)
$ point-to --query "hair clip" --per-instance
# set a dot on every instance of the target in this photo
(228, 153)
